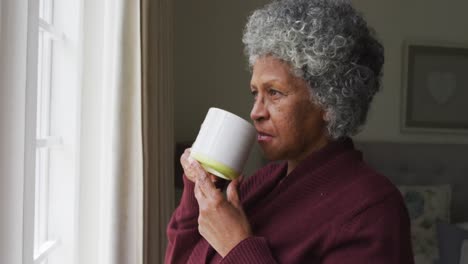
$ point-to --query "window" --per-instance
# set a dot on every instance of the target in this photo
(57, 128)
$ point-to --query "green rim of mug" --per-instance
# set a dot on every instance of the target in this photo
(215, 167)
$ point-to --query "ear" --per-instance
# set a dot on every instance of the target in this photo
(325, 116)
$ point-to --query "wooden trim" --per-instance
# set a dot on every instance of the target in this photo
(158, 124)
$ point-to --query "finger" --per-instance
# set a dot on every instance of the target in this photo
(190, 159)
(213, 178)
(184, 158)
(232, 193)
(198, 170)
(207, 186)
(199, 195)
(192, 166)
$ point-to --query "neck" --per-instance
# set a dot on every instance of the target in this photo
(292, 163)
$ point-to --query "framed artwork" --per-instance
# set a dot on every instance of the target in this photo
(435, 88)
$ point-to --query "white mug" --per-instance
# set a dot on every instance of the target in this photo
(223, 143)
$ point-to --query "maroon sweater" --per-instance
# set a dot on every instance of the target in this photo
(332, 209)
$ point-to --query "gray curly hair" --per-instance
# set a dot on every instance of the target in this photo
(328, 44)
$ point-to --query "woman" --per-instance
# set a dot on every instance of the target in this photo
(316, 67)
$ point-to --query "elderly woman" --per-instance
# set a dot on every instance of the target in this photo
(316, 67)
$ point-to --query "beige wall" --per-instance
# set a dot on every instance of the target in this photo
(396, 21)
(210, 69)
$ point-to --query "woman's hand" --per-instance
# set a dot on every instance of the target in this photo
(222, 222)
(192, 168)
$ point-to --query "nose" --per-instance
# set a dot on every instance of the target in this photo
(259, 110)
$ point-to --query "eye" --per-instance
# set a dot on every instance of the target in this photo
(274, 93)
(254, 93)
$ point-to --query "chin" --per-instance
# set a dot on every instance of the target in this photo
(271, 154)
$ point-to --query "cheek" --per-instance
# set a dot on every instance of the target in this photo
(288, 122)
(304, 122)
(314, 123)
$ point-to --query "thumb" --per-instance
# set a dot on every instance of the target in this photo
(233, 194)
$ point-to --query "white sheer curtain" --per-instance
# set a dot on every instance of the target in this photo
(111, 209)
(122, 224)
(12, 89)
(127, 131)
(16, 137)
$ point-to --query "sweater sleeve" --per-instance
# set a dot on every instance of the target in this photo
(182, 230)
(252, 250)
(379, 234)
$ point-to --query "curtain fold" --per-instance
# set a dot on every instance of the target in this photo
(122, 193)
(13, 136)
(158, 123)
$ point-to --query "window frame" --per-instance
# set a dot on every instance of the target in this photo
(38, 244)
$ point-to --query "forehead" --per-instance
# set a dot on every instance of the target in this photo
(269, 68)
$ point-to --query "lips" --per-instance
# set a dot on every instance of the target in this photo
(263, 137)
(263, 134)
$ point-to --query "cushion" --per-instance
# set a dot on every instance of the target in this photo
(426, 205)
(450, 238)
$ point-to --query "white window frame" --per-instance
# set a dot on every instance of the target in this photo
(46, 198)
(43, 245)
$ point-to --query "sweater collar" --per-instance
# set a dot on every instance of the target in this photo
(318, 158)
(270, 180)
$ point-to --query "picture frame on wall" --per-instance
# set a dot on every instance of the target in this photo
(434, 88)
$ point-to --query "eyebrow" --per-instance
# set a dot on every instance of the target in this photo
(269, 82)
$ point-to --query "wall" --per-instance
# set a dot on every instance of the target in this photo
(210, 69)
(396, 21)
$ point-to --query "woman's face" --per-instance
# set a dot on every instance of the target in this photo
(289, 125)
